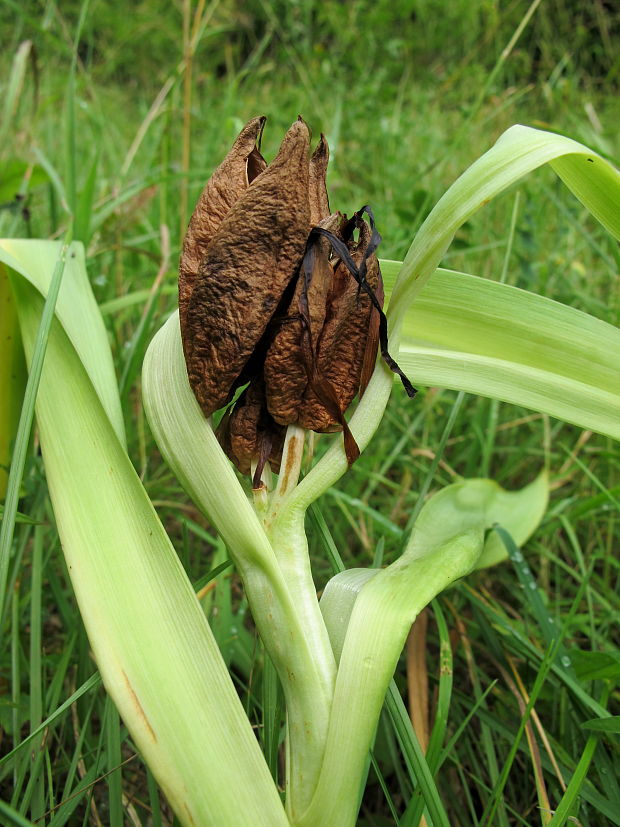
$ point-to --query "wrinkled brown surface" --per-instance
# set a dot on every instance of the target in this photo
(245, 270)
(341, 347)
(250, 312)
(291, 354)
(372, 341)
(317, 186)
(249, 432)
(229, 181)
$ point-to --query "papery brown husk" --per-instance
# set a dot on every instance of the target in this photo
(223, 189)
(253, 310)
(249, 433)
(244, 272)
(313, 370)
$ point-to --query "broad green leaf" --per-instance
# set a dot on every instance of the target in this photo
(592, 179)
(337, 602)
(518, 151)
(151, 640)
(283, 601)
(462, 505)
(189, 445)
(381, 617)
(369, 614)
(488, 338)
(76, 310)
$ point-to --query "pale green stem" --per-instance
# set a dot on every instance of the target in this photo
(288, 538)
(290, 545)
(285, 609)
(290, 466)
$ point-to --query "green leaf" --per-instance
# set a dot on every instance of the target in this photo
(376, 609)
(151, 640)
(12, 376)
(369, 612)
(76, 310)
(13, 90)
(518, 151)
(609, 725)
(484, 337)
(592, 179)
(381, 613)
(283, 601)
(85, 201)
(20, 518)
(593, 666)
(12, 179)
(464, 505)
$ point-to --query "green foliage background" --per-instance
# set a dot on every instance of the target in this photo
(408, 94)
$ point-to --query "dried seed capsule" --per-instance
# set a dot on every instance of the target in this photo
(248, 433)
(292, 352)
(227, 184)
(341, 347)
(244, 271)
(276, 292)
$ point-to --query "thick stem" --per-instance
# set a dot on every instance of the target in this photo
(308, 701)
(307, 722)
(291, 627)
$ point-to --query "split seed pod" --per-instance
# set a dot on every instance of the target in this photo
(279, 295)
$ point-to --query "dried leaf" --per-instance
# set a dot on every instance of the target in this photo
(372, 342)
(317, 185)
(291, 355)
(342, 344)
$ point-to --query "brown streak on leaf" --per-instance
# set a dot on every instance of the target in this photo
(417, 679)
(138, 706)
(290, 465)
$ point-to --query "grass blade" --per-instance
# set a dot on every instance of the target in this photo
(25, 420)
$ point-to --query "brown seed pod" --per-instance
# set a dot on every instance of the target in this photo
(227, 184)
(276, 292)
(249, 433)
(244, 271)
(341, 347)
(292, 354)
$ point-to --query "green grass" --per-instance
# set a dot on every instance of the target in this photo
(408, 94)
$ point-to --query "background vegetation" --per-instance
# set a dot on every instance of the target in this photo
(118, 115)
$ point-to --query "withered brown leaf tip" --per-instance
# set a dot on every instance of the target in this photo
(277, 294)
